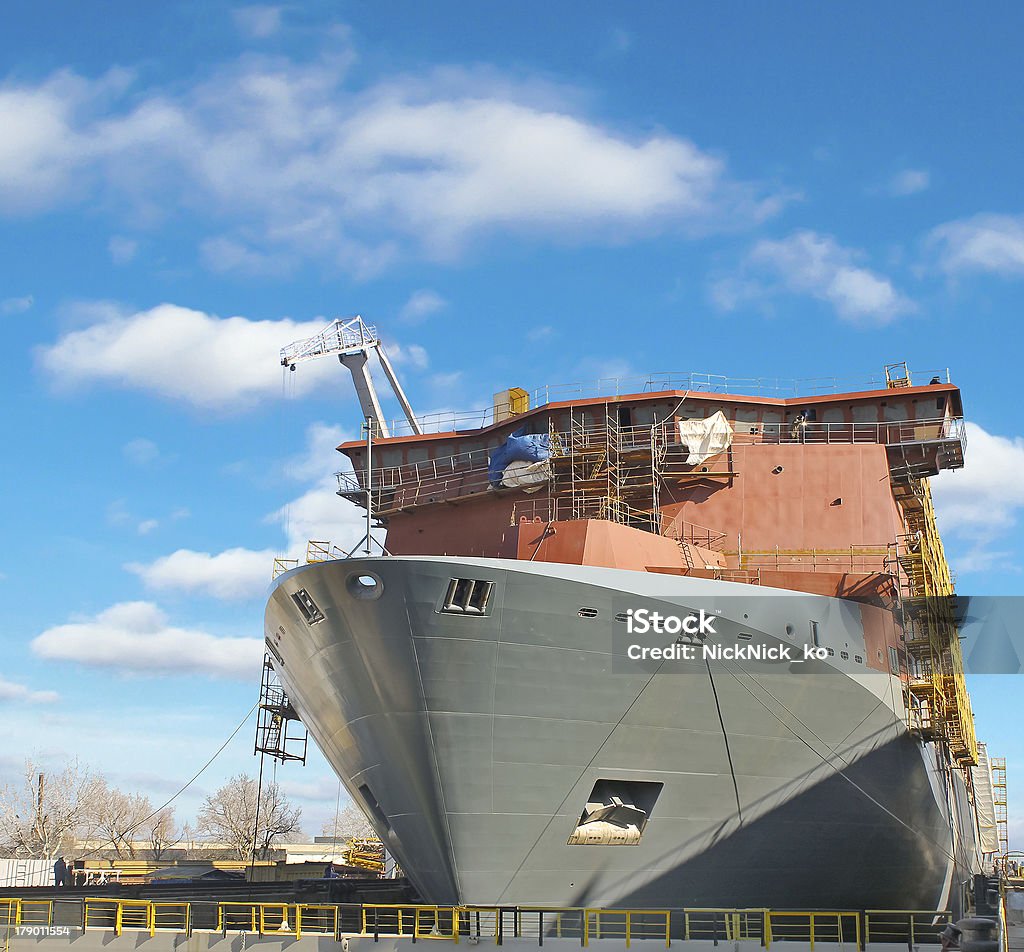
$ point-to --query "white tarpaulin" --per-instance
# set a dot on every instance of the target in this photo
(984, 803)
(705, 438)
(523, 475)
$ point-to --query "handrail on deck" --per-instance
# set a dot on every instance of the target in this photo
(696, 383)
(26, 912)
(418, 922)
(467, 472)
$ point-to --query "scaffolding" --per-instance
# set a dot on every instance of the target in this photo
(279, 731)
(915, 448)
(998, 765)
(605, 470)
(897, 376)
(938, 704)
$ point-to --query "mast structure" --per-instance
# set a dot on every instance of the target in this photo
(352, 341)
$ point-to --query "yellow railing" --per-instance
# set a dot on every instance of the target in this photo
(256, 917)
(905, 926)
(26, 912)
(581, 924)
(731, 925)
(421, 922)
(833, 927)
(311, 919)
(627, 924)
(141, 915)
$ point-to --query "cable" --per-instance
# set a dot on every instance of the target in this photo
(582, 773)
(828, 763)
(337, 817)
(256, 822)
(182, 789)
(725, 737)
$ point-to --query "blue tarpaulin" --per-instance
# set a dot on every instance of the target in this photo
(518, 447)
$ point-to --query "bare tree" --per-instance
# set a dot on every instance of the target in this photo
(119, 816)
(230, 815)
(350, 824)
(43, 814)
(161, 832)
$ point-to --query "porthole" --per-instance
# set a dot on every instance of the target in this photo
(364, 585)
(845, 655)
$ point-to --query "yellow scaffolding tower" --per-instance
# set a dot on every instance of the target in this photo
(999, 799)
(938, 701)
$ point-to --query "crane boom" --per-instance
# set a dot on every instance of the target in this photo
(352, 341)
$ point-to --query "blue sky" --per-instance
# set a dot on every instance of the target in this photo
(516, 196)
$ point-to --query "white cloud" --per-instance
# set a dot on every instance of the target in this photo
(810, 263)
(134, 637)
(258, 22)
(141, 451)
(147, 526)
(322, 788)
(319, 512)
(411, 354)
(320, 458)
(421, 305)
(16, 305)
(445, 383)
(188, 355)
(230, 575)
(984, 243)
(285, 161)
(117, 513)
(979, 558)
(122, 250)
(223, 255)
(11, 691)
(984, 497)
(908, 182)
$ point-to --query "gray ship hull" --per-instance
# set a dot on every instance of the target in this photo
(474, 741)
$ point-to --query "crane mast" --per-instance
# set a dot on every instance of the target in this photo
(352, 341)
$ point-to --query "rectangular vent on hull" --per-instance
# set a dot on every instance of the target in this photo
(309, 609)
(467, 596)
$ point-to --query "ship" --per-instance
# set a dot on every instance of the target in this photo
(683, 641)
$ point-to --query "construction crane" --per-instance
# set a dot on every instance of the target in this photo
(353, 340)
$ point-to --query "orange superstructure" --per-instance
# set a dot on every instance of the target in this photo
(826, 493)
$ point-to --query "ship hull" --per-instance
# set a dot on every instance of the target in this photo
(473, 742)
